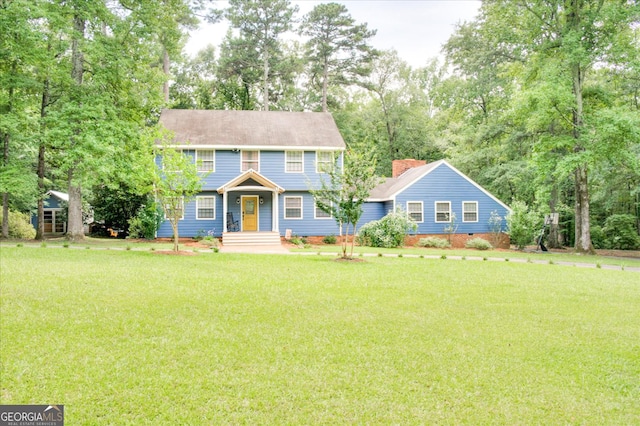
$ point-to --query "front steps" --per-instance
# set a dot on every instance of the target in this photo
(250, 238)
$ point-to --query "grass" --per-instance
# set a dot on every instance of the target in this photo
(133, 337)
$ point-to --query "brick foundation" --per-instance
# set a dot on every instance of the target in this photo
(457, 240)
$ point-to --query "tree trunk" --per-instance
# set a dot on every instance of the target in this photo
(583, 227)
(265, 82)
(5, 196)
(41, 158)
(325, 86)
(554, 240)
(165, 68)
(75, 225)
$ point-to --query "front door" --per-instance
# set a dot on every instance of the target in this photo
(250, 213)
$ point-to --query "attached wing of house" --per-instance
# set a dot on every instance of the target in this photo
(435, 195)
(261, 165)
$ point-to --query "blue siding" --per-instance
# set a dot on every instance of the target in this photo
(444, 184)
(307, 226)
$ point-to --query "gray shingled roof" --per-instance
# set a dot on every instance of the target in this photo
(264, 129)
(391, 186)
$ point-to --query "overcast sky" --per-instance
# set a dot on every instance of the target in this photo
(417, 29)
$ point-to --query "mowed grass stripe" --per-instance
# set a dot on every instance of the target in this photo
(142, 338)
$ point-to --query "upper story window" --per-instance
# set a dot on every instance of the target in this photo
(250, 160)
(470, 211)
(443, 211)
(414, 210)
(294, 161)
(174, 207)
(205, 160)
(324, 161)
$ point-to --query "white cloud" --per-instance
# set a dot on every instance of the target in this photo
(417, 29)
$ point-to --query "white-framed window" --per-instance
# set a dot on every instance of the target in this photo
(250, 160)
(294, 161)
(469, 211)
(319, 214)
(206, 207)
(293, 207)
(179, 205)
(205, 160)
(415, 211)
(443, 211)
(324, 161)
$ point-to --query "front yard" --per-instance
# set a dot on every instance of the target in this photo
(131, 337)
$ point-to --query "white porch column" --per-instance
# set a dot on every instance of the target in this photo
(224, 211)
(275, 211)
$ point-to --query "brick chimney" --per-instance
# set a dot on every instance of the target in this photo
(401, 166)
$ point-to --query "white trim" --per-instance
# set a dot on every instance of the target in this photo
(199, 197)
(242, 151)
(256, 147)
(421, 210)
(286, 160)
(435, 209)
(213, 170)
(301, 207)
(477, 212)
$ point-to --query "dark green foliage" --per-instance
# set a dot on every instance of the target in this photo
(146, 222)
(621, 232)
(329, 239)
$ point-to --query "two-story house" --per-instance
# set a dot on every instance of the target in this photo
(261, 165)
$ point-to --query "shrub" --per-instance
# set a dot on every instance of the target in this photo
(478, 244)
(20, 226)
(388, 232)
(210, 241)
(146, 222)
(522, 224)
(434, 242)
(621, 233)
(329, 239)
(598, 239)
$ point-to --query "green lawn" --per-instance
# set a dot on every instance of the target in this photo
(136, 337)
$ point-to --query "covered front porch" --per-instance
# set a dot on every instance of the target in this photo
(250, 210)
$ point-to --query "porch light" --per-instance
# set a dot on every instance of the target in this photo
(237, 200)
(261, 200)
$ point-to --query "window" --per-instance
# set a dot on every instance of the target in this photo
(294, 161)
(414, 210)
(319, 214)
(205, 207)
(250, 160)
(177, 204)
(324, 161)
(293, 207)
(443, 211)
(469, 211)
(205, 160)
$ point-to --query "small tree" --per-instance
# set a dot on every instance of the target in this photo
(177, 182)
(522, 224)
(388, 232)
(345, 193)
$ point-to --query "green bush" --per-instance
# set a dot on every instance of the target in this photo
(329, 239)
(598, 239)
(388, 232)
(146, 222)
(20, 226)
(522, 224)
(478, 244)
(434, 242)
(621, 233)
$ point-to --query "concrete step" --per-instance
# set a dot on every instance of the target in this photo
(250, 238)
